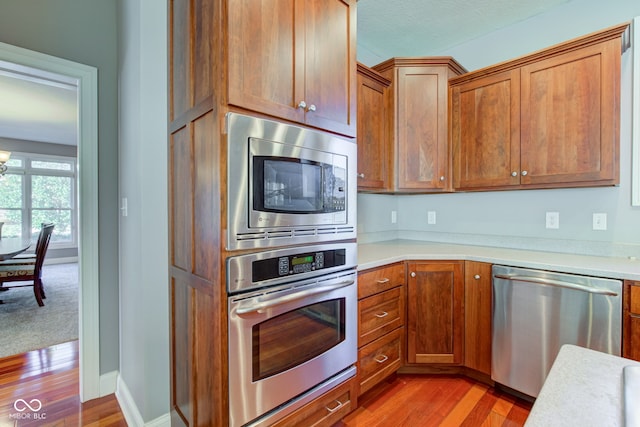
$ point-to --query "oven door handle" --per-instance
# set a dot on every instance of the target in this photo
(263, 305)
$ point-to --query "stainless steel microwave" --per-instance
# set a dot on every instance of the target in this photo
(287, 185)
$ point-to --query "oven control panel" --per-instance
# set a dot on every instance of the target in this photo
(289, 265)
(267, 268)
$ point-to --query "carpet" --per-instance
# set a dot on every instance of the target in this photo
(26, 327)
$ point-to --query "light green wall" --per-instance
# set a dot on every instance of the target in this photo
(84, 31)
(144, 269)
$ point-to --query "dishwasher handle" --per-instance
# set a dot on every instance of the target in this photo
(557, 283)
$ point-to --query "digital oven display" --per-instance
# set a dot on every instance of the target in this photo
(302, 260)
(273, 268)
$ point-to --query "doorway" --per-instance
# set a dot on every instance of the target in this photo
(88, 273)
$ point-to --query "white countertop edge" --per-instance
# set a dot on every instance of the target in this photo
(583, 388)
(371, 255)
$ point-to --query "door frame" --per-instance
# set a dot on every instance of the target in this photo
(88, 244)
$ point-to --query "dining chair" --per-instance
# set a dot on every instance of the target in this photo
(28, 269)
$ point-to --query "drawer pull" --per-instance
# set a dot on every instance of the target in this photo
(635, 316)
(338, 406)
(381, 359)
(381, 315)
(383, 281)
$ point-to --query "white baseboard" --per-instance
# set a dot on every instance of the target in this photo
(66, 260)
(108, 383)
(130, 409)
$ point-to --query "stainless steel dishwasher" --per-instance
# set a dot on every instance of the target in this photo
(535, 312)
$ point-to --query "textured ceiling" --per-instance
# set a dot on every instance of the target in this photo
(427, 27)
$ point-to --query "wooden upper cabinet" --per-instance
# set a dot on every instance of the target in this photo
(435, 318)
(550, 119)
(485, 131)
(374, 142)
(570, 114)
(295, 60)
(421, 156)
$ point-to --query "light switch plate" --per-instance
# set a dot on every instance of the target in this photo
(599, 221)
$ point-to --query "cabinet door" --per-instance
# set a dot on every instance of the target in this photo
(434, 312)
(631, 320)
(477, 316)
(373, 139)
(421, 128)
(266, 61)
(485, 132)
(570, 111)
(330, 64)
(285, 52)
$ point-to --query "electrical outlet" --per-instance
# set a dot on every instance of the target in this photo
(553, 220)
(394, 217)
(431, 217)
(599, 221)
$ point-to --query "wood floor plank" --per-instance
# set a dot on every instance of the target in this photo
(437, 400)
(49, 378)
(460, 412)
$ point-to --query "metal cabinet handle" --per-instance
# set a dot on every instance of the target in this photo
(383, 281)
(381, 359)
(381, 315)
(413, 274)
(334, 409)
(302, 104)
(514, 173)
(361, 175)
(524, 173)
(442, 178)
(311, 108)
(477, 277)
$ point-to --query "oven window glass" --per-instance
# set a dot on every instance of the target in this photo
(292, 338)
(289, 185)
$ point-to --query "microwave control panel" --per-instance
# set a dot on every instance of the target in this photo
(290, 265)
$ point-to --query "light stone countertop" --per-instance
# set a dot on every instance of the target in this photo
(372, 255)
(584, 388)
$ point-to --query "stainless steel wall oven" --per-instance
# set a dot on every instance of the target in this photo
(292, 328)
(287, 185)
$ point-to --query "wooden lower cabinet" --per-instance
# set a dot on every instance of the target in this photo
(326, 410)
(477, 316)
(631, 320)
(381, 317)
(435, 327)
(379, 359)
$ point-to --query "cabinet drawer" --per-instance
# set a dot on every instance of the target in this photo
(326, 410)
(371, 282)
(379, 314)
(634, 298)
(379, 359)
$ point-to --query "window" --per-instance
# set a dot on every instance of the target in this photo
(39, 188)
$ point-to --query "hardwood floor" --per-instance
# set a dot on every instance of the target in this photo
(47, 380)
(41, 388)
(430, 400)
